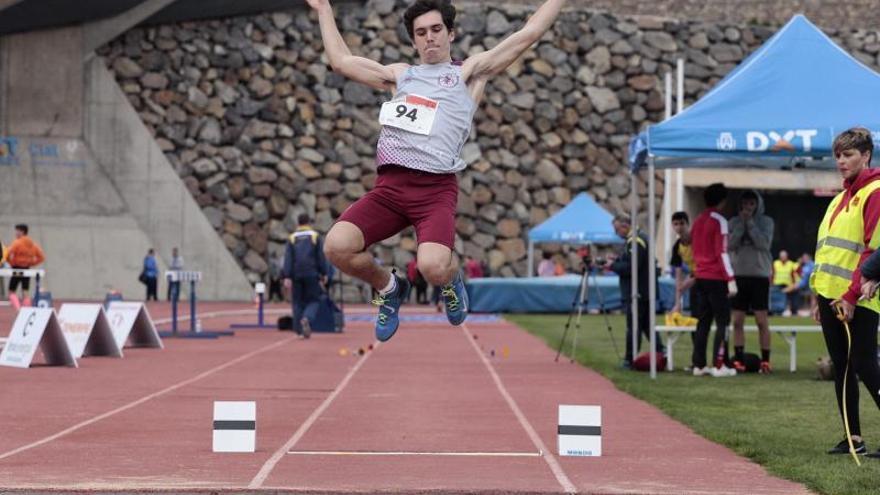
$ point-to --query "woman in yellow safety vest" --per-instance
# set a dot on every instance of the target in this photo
(847, 236)
(785, 278)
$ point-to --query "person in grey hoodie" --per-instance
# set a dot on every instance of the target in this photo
(751, 233)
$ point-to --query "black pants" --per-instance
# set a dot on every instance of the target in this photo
(152, 283)
(862, 360)
(275, 290)
(307, 293)
(644, 328)
(421, 290)
(712, 304)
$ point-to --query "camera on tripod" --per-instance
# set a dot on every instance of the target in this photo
(590, 262)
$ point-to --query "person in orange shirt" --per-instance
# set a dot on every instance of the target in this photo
(23, 253)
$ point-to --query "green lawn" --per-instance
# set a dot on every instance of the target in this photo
(784, 421)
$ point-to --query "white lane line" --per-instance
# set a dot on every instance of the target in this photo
(561, 477)
(279, 454)
(392, 453)
(146, 398)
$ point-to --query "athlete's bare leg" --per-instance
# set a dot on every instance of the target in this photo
(739, 319)
(436, 263)
(344, 248)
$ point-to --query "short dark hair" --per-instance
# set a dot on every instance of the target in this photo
(421, 7)
(749, 194)
(857, 138)
(302, 219)
(22, 227)
(714, 194)
(681, 215)
(546, 255)
(622, 218)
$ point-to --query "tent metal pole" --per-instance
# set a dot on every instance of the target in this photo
(531, 258)
(652, 273)
(634, 267)
(667, 183)
(679, 182)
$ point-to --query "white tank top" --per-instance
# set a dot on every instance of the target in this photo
(438, 152)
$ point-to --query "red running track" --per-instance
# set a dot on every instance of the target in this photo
(144, 422)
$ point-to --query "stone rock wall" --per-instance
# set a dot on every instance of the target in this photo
(857, 13)
(260, 129)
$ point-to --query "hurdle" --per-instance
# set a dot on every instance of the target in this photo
(195, 332)
(260, 290)
(36, 274)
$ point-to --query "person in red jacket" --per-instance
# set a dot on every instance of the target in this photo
(714, 283)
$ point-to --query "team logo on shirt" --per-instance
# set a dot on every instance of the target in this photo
(855, 202)
(448, 80)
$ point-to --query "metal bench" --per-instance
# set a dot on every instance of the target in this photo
(787, 332)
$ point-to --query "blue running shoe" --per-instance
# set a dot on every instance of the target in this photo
(456, 299)
(389, 309)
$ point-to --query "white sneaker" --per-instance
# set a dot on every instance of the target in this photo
(722, 372)
(701, 371)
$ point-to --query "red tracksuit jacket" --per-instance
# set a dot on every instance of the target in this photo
(709, 238)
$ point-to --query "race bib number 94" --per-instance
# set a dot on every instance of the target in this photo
(412, 114)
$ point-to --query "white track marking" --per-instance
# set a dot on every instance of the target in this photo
(270, 464)
(567, 485)
(438, 454)
(145, 398)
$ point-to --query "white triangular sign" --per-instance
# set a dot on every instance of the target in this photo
(131, 324)
(87, 330)
(33, 328)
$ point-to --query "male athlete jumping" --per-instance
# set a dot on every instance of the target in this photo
(424, 127)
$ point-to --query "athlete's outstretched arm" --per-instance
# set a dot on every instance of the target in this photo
(356, 68)
(499, 58)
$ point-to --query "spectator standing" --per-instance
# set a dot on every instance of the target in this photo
(472, 268)
(546, 268)
(418, 281)
(751, 233)
(622, 266)
(276, 267)
(805, 270)
(23, 253)
(847, 241)
(175, 266)
(714, 283)
(305, 270)
(785, 278)
(682, 261)
(150, 274)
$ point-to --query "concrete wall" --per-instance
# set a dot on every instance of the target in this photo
(43, 83)
(80, 168)
(91, 242)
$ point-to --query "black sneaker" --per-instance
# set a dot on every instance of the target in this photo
(874, 455)
(843, 448)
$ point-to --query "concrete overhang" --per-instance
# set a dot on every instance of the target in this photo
(18, 16)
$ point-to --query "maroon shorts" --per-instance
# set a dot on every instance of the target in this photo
(403, 197)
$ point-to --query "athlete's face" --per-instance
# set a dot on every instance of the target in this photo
(851, 162)
(431, 38)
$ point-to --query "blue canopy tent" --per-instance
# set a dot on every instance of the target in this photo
(780, 108)
(582, 221)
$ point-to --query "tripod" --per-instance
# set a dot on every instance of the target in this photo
(581, 300)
